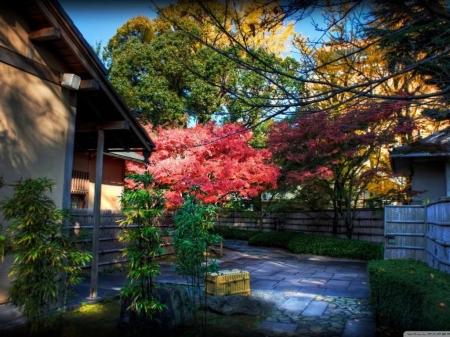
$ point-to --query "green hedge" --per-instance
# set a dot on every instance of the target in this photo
(410, 295)
(336, 247)
(301, 243)
(233, 233)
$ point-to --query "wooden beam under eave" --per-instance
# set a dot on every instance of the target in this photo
(89, 85)
(45, 34)
(117, 125)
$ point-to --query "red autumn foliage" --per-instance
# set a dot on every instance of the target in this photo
(319, 145)
(217, 159)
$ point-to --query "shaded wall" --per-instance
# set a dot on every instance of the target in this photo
(428, 176)
(34, 117)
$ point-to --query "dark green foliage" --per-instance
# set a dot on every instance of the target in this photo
(410, 295)
(301, 243)
(271, 239)
(234, 233)
(46, 260)
(142, 205)
(192, 237)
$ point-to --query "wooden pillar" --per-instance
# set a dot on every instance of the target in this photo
(70, 144)
(96, 230)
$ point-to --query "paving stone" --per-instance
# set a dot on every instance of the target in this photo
(277, 327)
(322, 275)
(303, 332)
(296, 303)
(9, 314)
(338, 292)
(337, 284)
(262, 284)
(344, 276)
(308, 284)
(287, 288)
(263, 273)
(312, 290)
(315, 308)
(315, 281)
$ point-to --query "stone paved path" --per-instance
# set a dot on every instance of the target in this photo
(312, 295)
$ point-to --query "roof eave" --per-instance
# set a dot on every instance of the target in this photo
(90, 60)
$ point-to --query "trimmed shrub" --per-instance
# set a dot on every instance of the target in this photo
(271, 239)
(410, 295)
(301, 243)
(233, 233)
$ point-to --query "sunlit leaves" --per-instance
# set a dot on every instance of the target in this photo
(218, 159)
(192, 236)
(142, 204)
(46, 260)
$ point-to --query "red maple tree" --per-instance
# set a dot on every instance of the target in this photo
(217, 160)
(340, 154)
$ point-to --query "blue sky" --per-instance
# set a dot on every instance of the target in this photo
(98, 20)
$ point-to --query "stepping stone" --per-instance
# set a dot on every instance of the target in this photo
(337, 284)
(344, 276)
(296, 303)
(277, 327)
(315, 308)
(263, 284)
(312, 290)
(322, 275)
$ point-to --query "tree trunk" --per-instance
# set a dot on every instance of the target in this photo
(335, 210)
(349, 219)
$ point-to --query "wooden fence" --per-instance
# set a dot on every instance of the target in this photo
(368, 226)
(419, 232)
(368, 223)
(110, 247)
(438, 235)
(405, 230)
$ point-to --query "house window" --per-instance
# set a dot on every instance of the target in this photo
(77, 201)
(79, 189)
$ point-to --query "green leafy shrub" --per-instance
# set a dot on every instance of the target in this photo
(410, 294)
(142, 205)
(271, 239)
(234, 233)
(301, 243)
(192, 236)
(46, 260)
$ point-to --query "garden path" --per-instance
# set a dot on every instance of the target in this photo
(311, 295)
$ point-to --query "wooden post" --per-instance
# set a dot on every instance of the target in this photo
(96, 229)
